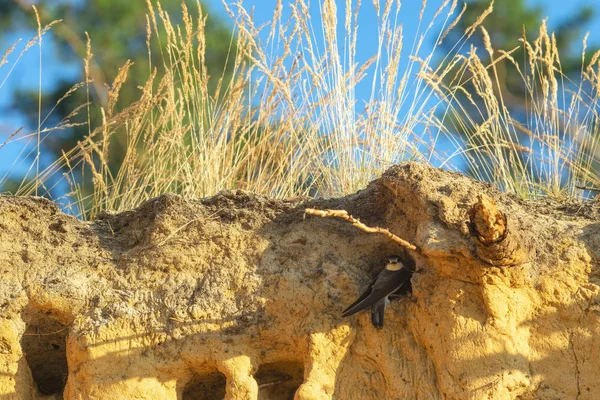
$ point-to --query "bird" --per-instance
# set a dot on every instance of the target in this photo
(393, 279)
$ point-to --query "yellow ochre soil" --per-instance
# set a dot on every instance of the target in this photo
(239, 296)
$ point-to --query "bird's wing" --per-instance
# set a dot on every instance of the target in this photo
(402, 290)
(386, 283)
(362, 297)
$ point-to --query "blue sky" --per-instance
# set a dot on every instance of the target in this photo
(27, 70)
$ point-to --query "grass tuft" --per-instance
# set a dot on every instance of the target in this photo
(288, 121)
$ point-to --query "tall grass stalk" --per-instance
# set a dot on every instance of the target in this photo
(288, 122)
(551, 149)
(28, 141)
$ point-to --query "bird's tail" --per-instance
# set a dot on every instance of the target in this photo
(377, 313)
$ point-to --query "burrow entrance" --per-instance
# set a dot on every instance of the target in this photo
(44, 346)
(209, 386)
(279, 380)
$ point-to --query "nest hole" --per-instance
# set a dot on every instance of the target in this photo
(44, 346)
(279, 380)
(210, 386)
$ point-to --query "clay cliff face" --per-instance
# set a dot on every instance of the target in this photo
(239, 296)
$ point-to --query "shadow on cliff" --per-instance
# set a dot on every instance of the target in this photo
(558, 347)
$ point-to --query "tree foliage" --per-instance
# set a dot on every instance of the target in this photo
(118, 33)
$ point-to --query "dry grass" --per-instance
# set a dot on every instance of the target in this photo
(552, 150)
(30, 152)
(289, 123)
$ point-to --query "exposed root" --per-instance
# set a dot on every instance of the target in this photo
(343, 214)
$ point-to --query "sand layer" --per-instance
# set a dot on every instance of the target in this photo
(239, 296)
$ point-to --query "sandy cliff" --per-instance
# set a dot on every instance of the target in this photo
(240, 296)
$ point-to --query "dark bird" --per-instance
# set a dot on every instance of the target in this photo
(394, 278)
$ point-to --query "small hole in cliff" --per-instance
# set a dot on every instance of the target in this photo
(44, 347)
(209, 386)
(279, 380)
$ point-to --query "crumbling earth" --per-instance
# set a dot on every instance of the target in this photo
(239, 296)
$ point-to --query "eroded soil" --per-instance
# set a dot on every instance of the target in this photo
(240, 296)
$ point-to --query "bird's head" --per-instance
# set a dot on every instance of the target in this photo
(394, 259)
(394, 263)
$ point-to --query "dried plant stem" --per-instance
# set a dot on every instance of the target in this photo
(343, 214)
